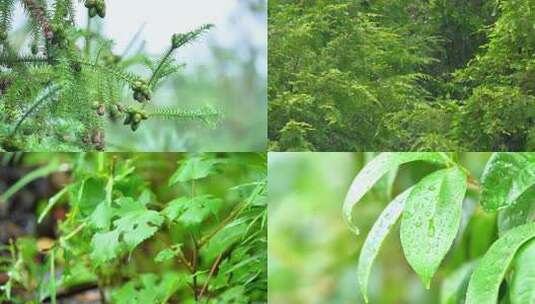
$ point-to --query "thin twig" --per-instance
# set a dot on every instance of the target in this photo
(194, 263)
(222, 225)
(212, 271)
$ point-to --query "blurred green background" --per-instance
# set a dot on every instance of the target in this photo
(313, 255)
(226, 70)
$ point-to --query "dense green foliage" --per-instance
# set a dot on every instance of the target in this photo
(140, 229)
(435, 228)
(61, 85)
(401, 75)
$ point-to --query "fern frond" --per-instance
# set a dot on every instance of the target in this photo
(118, 74)
(10, 60)
(6, 13)
(179, 40)
(207, 115)
(35, 107)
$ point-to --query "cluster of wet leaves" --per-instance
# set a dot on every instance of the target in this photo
(431, 212)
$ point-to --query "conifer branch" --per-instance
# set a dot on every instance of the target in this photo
(33, 108)
(38, 13)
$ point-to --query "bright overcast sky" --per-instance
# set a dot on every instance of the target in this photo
(162, 18)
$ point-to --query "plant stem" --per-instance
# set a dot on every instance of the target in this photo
(160, 65)
(194, 262)
(222, 225)
(211, 274)
(87, 48)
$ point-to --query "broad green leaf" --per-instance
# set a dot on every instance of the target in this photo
(453, 289)
(138, 225)
(93, 192)
(375, 239)
(431, 220)
(192, 211)
(194, 168)
(505, 178)
(378, 167)
(101, 217)
(485, 282)
(105, 246)
(135, 224)
(523, 286)
(521, 212)
(383, 187)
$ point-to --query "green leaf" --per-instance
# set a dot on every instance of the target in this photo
(137, 223)
(165, 255)
(484, 226)
(93, 192)
(194, 168)
(28, 178)
(505, 178)
(225, 238)
(453, 289)
(384, 186)
(52, 202)
(52, 286)
(375, 239)
(105, 246)
(378, 167)
(101, 217)
(192, 211)
(519, 213)
(150, 288)
(485, 282)
(523, 285)
(431, 220)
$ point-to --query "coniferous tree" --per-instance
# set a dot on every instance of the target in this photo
(401, 75)
(58, 90)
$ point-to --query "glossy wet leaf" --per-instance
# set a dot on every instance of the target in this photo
(485, 282)
(431, 220)
(375, 239)
(523, 285)
(519, 213)
(505, 178)
(377, 168)
(453, 289)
